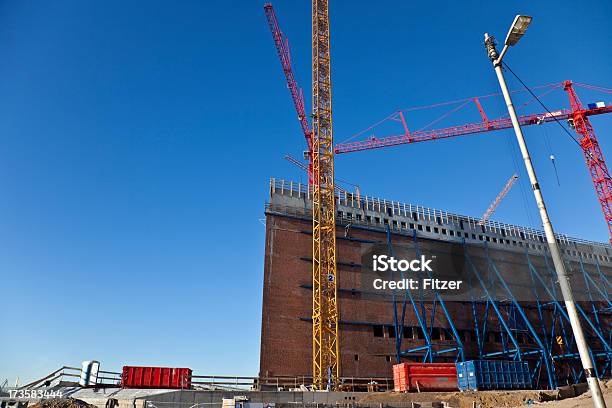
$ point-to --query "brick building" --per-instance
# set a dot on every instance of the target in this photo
(368, 334)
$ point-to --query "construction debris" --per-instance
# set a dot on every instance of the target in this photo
(62, 403)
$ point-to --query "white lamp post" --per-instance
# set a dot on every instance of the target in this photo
(517, 30)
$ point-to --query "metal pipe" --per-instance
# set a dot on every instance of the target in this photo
(564, 283)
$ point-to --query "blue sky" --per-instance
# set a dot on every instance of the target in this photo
(137, 140)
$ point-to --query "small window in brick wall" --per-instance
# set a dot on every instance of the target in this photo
(407, 332)
(388, 358)
(378, 331)
(436, 334)
(420, 334)
(391, 332)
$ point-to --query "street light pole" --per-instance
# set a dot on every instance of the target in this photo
(516, 31)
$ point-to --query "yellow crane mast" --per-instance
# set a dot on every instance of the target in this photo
(325, 347)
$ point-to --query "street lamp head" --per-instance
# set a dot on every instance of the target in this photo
(518, 29)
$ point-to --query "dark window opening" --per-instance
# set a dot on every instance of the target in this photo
(388, 358)
(436, 334)
(358, 216)
(391, 332)
(427, 228)
(407, 332)
(436, 230)
(356, 357)
(420, 227)
(377, 220)
(378, 331)
(444, 231)
(420, 334)
(389, 212)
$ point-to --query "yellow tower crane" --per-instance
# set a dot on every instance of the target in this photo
(325, 345)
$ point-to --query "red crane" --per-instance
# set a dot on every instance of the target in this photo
(284, 54)
(592, 153)
(577, 116)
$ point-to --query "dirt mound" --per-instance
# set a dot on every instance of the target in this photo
(62, 403)
(484, 399)
(567, 397)
(496, 399)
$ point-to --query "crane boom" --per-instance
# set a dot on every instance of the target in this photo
(325, 346)
(498, 199)
(462, 130)
(284, 55)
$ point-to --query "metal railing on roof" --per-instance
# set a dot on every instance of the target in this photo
(280, 186)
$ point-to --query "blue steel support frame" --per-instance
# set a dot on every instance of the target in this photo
(516, 353)
(550, 327)
(430, 350)
(561, 317)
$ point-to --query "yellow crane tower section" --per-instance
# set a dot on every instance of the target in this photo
(325, 347)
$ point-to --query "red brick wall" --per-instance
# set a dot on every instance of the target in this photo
(286, 339)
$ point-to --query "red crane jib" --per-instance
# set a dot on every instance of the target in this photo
(462, 130)
(282, 48)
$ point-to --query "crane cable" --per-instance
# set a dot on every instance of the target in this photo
(556, 120)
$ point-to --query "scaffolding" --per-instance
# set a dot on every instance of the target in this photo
(545, 342)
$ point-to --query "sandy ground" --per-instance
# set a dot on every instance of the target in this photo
(581, 401)
(498, 399)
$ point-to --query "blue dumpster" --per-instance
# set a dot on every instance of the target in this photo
(493, 375)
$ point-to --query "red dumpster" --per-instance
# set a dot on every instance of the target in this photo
(155, 377)
(425, 377)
